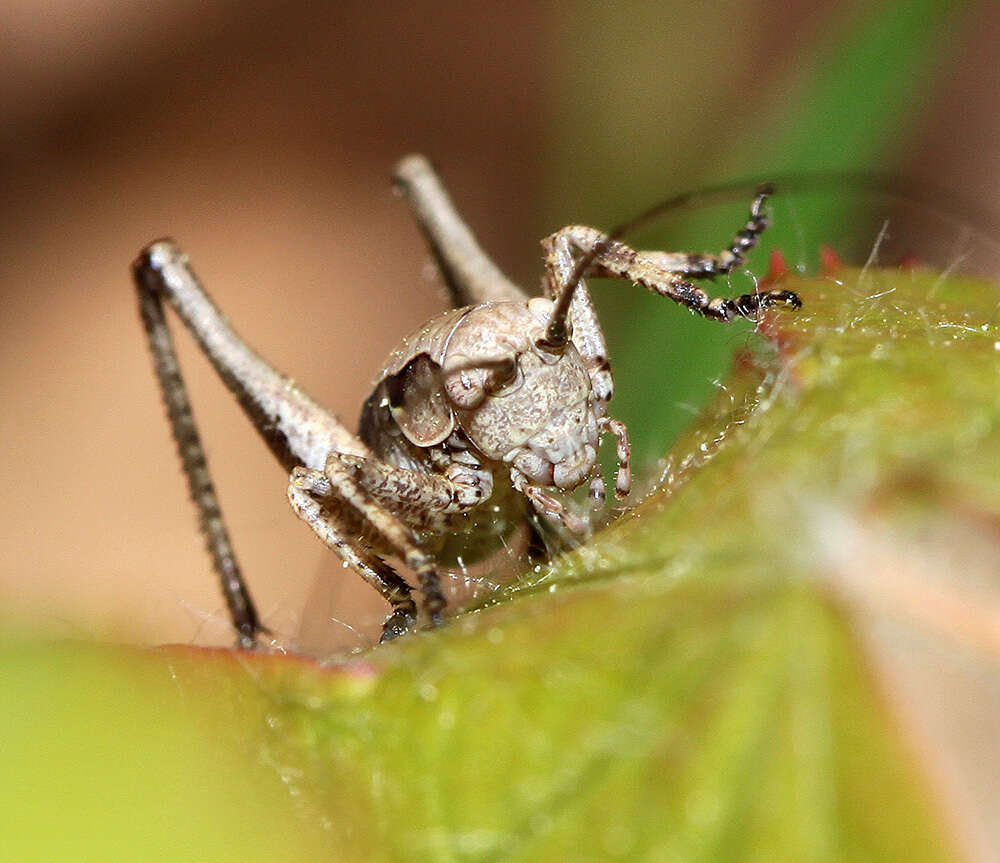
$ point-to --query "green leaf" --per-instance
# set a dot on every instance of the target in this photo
(106, 757)
(695, 683)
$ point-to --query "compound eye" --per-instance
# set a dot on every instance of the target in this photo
(501, 375)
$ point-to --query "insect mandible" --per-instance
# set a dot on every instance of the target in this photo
(479, 417)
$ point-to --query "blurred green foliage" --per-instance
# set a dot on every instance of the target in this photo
(105, 758)
(688, 108)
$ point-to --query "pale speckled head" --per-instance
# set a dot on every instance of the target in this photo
(520, 403)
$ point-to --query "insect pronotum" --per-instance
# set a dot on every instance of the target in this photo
(477, 420)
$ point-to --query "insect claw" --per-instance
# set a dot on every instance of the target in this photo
(789, 298)
(399, 622)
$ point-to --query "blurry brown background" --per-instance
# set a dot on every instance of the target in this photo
(261, 136)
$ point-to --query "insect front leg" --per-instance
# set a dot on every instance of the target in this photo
(306, 489)
(612, 259)
(547, 505)
(338, 489)
(420, 498)
(623, 450)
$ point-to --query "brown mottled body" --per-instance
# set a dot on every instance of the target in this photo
(486, 410)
